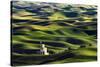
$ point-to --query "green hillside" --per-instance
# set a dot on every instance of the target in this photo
(69, 33)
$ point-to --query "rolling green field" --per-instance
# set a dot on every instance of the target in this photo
(69, 32)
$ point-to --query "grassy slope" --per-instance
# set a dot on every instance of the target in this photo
(60, 33)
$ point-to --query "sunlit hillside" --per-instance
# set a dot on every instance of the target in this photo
(68, 31)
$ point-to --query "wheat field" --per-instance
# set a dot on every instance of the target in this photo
(68, 31)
